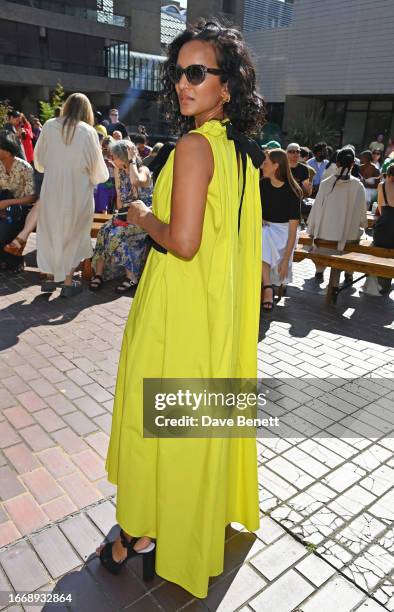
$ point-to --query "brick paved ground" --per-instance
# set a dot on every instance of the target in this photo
(326, 536)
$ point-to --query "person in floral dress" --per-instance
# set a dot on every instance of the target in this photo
(120, 246)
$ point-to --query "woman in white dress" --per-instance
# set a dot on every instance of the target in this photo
(69, 154)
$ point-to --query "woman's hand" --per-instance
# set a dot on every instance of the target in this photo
(5, 203)
(132, 153)
(137, 212)
(283, 268)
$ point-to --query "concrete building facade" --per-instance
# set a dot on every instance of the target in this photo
(330, 60)
(109, 49)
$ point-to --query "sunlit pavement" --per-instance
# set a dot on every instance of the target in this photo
(326, 486)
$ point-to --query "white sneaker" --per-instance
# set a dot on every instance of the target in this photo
(371, 286)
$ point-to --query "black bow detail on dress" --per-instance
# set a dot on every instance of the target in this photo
(245, 145)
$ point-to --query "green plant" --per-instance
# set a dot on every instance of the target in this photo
(58, 96)
(310, 129)
(310, 546)
(47, 109)
(4, 108)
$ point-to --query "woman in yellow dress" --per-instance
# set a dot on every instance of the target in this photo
(195, 315)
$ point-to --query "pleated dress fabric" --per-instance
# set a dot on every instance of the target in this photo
(193, 318)
(65, 213)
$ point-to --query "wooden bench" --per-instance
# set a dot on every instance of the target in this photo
(95, 229)
(102, 217)
(98, 220)
(364, 259)
(364, 246)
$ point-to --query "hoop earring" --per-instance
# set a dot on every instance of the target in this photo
(226, 99)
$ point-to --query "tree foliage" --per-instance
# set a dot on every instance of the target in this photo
(310, 129)
(47, 109)
(4, 108)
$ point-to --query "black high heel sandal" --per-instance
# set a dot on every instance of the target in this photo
(115, 567)
(268, 306)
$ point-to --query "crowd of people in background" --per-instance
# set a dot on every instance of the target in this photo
(336, 190)
(103, 169)
(54, 177)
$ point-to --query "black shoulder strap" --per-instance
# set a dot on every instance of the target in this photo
(241, 155)
(244, 146)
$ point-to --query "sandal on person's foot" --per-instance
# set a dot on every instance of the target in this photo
(71, 290)
(16, 247)
(268, 306)
(147, 553)
(48, 286)
(96, 282)
(125, 286)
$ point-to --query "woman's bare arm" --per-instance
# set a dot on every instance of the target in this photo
(283, 266)
(193, 171)
(118, 203)
(139, 178)
(293, 226)
(25, 201)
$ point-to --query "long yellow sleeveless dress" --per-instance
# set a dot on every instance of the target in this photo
(193, 318)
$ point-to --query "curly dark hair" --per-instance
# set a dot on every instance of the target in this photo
(246, 109)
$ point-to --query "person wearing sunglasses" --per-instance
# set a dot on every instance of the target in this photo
(299, 170)
(114, 125)
(377, 158)
(195, 315)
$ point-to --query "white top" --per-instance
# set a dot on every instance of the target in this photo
(66, 208)
(330, 171)
(338, 213)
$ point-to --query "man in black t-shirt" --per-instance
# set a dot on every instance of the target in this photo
(116, 125)
(299, 170)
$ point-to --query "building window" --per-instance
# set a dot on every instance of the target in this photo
(384, 105)
(357, 105)
(353, 130)
(145, 71)
(117, 60)
(101, 11)
(105, 14)
(141, 69)
(335, 113)
(360, 121)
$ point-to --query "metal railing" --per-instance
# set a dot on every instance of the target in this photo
(100, 16)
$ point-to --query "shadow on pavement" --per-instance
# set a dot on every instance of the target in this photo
(305, 311)
(44, 309)
(93, 589)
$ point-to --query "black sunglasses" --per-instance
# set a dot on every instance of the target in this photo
(195, 73)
